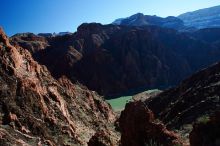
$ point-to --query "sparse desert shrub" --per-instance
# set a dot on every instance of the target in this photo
(204, 119)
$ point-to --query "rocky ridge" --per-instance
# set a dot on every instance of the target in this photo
(193, 98)
(203, 18)
(37, 109)
(186, 22)
(140, 19)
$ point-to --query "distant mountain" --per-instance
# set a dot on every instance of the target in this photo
(140, 19)
(54, 34)
(204, 18)
(63, 33)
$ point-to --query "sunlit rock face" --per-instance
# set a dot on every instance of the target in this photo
(37, 109)
(204, 18)
(140, 19)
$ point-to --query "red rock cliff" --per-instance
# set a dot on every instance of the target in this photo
(138, 128)
(37, 109)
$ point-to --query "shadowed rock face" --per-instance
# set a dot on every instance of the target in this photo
(138, 128)
(190, 103)
(194, 98)
(37, 109)
(115, 59)
(209, 35)
(206, 133)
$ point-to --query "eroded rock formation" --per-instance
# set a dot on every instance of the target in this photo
(37, 109)
(139, 127)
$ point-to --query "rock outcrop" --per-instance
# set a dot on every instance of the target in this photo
(113, 59)
(139, 128)
(37, 109)
(33, 43)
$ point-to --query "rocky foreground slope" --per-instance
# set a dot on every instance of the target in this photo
(114, 59)
(36, 109)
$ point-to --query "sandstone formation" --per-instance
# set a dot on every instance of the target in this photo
(139, 128)
(37, 109)
(33, 43)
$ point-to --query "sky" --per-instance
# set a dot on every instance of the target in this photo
(41, 16)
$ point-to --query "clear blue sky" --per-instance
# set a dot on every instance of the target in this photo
(65, 15)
